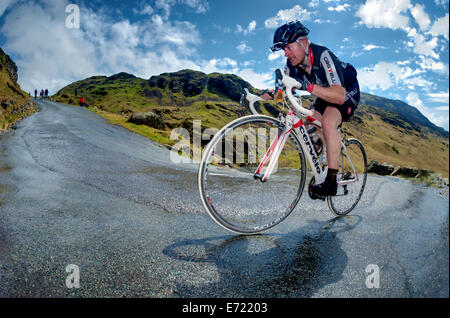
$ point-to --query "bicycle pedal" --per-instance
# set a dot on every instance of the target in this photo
(317, 197)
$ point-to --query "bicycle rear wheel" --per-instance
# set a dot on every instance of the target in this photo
(352, 169)
(228, 189)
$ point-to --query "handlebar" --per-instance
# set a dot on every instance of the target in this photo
(251, 100)
(289, 84)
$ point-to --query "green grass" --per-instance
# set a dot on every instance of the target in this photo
(156, 135)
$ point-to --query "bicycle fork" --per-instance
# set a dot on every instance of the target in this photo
(272, 155)
(276, 146)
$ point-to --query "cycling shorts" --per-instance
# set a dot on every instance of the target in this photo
(347, 110)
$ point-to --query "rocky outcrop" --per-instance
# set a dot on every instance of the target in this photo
(121, 75)
(149, 119)
(15, 104)
(7, 64)
(192, 83)
(386, 169)
(382, 169)
(227, 84)
(189, 83)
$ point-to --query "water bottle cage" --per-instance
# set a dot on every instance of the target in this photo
(316, 140)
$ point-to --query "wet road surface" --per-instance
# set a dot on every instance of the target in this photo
(75, 190)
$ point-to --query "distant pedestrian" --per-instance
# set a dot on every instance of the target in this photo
(82, 102)
(46, 93)
(35, 93)
(42, 93)
(76, 92)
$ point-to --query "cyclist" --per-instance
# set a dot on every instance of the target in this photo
(333, 82)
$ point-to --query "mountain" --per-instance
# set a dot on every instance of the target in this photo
(15, 104)
(391, 130)
(400, 111)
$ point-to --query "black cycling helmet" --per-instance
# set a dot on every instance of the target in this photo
(288, 33)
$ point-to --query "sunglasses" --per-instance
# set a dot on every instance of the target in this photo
(278, 46)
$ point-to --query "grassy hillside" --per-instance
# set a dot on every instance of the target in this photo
(15, 104)
(391, 131)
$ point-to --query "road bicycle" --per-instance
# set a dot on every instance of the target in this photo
(254, 170)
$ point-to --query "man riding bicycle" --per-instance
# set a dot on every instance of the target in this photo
(333, 82)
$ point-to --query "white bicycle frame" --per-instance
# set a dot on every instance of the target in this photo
(294, 120)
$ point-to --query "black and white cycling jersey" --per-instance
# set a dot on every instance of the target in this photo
(327, 70)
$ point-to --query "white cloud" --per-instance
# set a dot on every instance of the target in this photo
(258, 80)
(320, 21)
(421, 17)
(275, 55)
(430, 64)
(222, 65)
(165, 6)
(146, 9)
(385, 75)
(441, 2)
(243, 47)
(248, 30)
(200, 6)
(56, 54)
(313, 3)
(421, 45)
(100, 47)
(384, 14)
(405, 62)
(441, 97)
(440, 27)
(5, 4)
(391, 14)
(414, 100)
(221, 28)
(370, 47)
(247, 63)
(283, 16)
(378, 77)
(339, 8)
(227, 65)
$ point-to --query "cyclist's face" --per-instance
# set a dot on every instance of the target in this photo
(295, 53)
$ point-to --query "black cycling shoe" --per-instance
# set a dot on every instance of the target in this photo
(325, 189)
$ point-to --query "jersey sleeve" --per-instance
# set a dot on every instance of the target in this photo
(332, 68)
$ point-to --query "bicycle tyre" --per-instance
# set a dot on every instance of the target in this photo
(343, 204)
(228, 191)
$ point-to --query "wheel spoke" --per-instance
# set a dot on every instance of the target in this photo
(352, 174)
(231, 194)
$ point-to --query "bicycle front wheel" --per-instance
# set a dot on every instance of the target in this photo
(231, 194)
(351, 177)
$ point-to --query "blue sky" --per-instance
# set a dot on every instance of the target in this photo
(400, 48)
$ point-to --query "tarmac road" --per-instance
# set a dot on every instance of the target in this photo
(76, 190)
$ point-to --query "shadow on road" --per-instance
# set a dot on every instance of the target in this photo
(295, 264)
